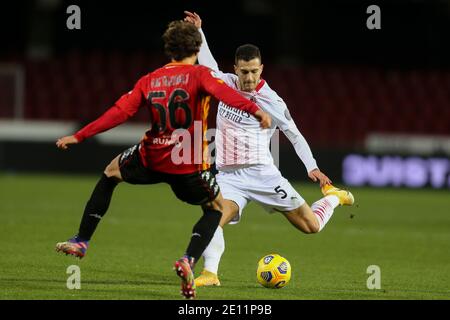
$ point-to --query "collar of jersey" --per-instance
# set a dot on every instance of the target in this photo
(177, 64)
(260, 85)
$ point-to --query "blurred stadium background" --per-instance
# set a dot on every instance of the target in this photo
(374, 106)
(370, 102)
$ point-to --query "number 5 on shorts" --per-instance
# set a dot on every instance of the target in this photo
(281, 191)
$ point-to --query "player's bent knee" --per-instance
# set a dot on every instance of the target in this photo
(230, 210)
(217, 204)
(113, 170)
(303, 220)
(213, 205)
(307, 228)
(312, 228)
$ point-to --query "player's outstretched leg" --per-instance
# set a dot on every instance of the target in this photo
(94, 211)
(74, 246)
(313, 219)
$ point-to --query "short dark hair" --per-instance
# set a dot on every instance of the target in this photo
(247, 52)
(181, 40)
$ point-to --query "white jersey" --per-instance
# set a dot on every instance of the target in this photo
(240, 141)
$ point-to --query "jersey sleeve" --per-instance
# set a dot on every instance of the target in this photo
(205, 58)
(301, 146)
(110, 119)
(133, 100)
(121, 111)
(281, 117)
(222, 92)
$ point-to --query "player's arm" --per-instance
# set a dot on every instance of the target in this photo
(222, 92)
(205, 56)
(110, 119)
(120, 112)
(304, 153)
(284, 121)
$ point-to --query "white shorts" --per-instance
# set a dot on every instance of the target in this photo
(263, 184)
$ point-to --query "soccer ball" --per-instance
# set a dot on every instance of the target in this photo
(273, 271)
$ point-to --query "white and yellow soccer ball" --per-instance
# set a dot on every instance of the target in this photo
(273, 271)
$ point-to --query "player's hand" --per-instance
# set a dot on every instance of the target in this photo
(317, 175)
(64, 142)
(265, 121)
(193, 18)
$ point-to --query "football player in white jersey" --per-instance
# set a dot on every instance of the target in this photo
(246, 170)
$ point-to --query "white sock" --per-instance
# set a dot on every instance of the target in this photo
(324, 208)
(214, 251)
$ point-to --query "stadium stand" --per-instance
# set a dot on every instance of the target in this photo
(343, 103)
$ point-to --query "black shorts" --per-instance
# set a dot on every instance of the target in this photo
(195, 188)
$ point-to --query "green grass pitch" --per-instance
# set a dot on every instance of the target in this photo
(404, 232)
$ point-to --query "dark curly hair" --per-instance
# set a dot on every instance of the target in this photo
(181, 40)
